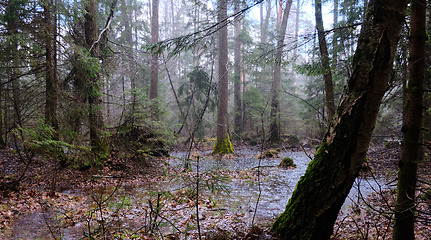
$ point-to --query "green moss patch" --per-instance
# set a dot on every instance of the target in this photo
(223, 146)
(287, 162)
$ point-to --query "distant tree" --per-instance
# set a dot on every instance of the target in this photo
(335, 36)
(238, 77)
(128, 61)
(196, 99)
(13, 17)
(275, 88)
(12, 14)
(316, 201)
(264, 21)
(223, 144)
(324, 59)
(155, 58)
(411, 143)
(298, 12)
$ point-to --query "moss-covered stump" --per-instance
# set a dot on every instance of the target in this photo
(223, 146)
(270, 153)
(287, 162)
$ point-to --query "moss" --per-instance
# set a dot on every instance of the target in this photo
(287, 162)
(223, 146)
(291, 224)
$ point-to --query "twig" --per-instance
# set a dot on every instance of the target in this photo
(339, 226)
(153, 224)
(197, 198)
(176, 96)
(306, 153)
(49, 226)
(358, 228)
(258, 175)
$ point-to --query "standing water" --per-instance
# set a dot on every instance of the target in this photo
(259, 192)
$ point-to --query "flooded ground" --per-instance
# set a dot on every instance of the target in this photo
(243, 189)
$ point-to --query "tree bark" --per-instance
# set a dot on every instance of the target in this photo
(51, 94)
(320, 193)
(335, 35)
(324, 59)
(99, 145)
(298, 12)
(238, 74)
(155, 58)
(130, 53)
(411, 143)
(275, 88)
(2, 122)
(223, 144)
(265, 22)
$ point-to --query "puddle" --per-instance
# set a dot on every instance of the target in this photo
(271, 193)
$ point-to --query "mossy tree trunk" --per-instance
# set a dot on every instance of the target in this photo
(223, 144)
(411, 143)
(313, 208)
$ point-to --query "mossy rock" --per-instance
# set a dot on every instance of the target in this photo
(287, 162)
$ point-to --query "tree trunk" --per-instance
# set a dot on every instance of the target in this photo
(16, 84)
(238, 68)
(51, 94)
(279, 5)
(223, 144)
(130, 52)
(128, 41)
(324, 59)
(2, 126)
(265, 23)
(335, 36)
(427, 115)
(155, 58)
(320, 193)
(99, 144)
(411, 143)
(275, 88)
(298, 12)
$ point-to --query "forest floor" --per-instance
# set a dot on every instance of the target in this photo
(48, 193)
